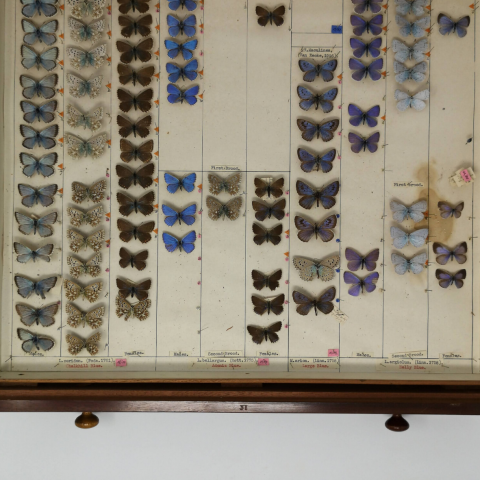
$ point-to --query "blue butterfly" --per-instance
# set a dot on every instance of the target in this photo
(187, 243)
(369, 283)
(43, 88)
(416, 28)
(310, 195)
(27, 225)
(358, 116)
(26, 254)
(359, 143)
(47, 59)
(186, 49)
(401, 238)
(363, 71)
(310, 162)
(40, 316)
(32, 196)
(370, 48)
(44, 34)
(324, 130)
(176, 95)
(47, 7)
(26, 287)
(312, 71)
(370, 26)
(44, 113)
(362, 5)
(186, 216)
(174, 183)
(188, 71)
(31, 340)
(44, 139)
(323, 100)
(404, 7)
(190, 5)
(445, 279)
(43, 166)
(186, 26)
(447, 25)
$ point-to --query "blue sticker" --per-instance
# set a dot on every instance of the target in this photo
(337, 29)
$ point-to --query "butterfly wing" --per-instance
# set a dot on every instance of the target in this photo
(446, 24)
(459, 252)
(359, 69)
(417, 211)
(307, 193)
(304, 302)
(359, 25)
(459, 277)
(324, 303)
(324, 229)
(327, 193)
(402, 265)
(171, 215)
(260, 234)
(305, 229)
(355, 260)
(417, 263)
(400, 211)
(370, 282)
(188, 242)
(461, 27)
(351, 279)
(187, 215)
(399, 237)
(359, 47)
(418, 237)
(171, 243)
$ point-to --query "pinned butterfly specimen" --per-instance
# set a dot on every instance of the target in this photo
(44, 138)
(311, 195)
(187, 243)
(369, 283)
(263, 211)
(416, 212)
(32, 196)
(316, 162)
(127, 74)
(361, 48)
(445, 254)
(142, 176)
(44, 113)
(445, 279)
(404, 7)
(138, 261)
(95, 192)
(364, 5)
(269, 188)
(76, 344)
(264, 305)
(324, 100)
(78, 241)
(416, 73)
(26, 287)
(131, 152)
(26, 254)
(322, 269)
(274, 17)
(90, 292)
(174, 183)
(186, 49)
(186, 216)
(139, 26)
(417, 238)
(312, 71)
(180, 27)
(90, 267)
(323, 130)
(80, 59)
(362, 71)
(91, 218)
(371, 26)
(79, 87)
(137, 310)
(142, 101)
(78, 148)
(46, 59)
(323, 304)
(448, 26)
(404, 52)
(416, 28)
(77, 317)
(82, 32)
(357, 261)
(40, 7)
(230, 185)
(190, 5)
(141, 232)
(143, 205)
(177, 95)
(130, 53)
(42, 225)
(77, 119)
(87, 8)
(42, 88)
(39, 316)
(140, 127)
(417, 101)
(140, 6)
(358, 116)
(363, 143)
(230, 210)
(261, 281)
(32, 340)
(414, 265)
(44, 34)
(306, 229)
(447, 211)
(42, 166)
(262, 235)
(189, 71)
(259, 334)
(128, 289)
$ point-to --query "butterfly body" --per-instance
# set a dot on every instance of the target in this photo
(260, 334)
(323, 270)
(42, 225)
(263, 235)
(313, 71)
(141, 232)
(323, 304)
(26, 254)
(174, 183)
(306, 229)
(261, 280)
(369, 283)
(324, 195)
(39, 316)
(32, 340)
(262, 305)
(274, 17)
(187, 243)
(316, 162)
(357, 261)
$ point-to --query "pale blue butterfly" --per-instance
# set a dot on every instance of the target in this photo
(416, 212)
(44, 34)
(404, 52)
(45, 7)
(32, 340)
(26, 254)
(33, 196)
(43, 113)
(39, 316)
(415, 73)
(416, 28)
(42, 225)
(417, 101)
(44, 138)
(26, 287)
(47, 59)
(42, 166)
(404, 265)
(416, 7)
(416, 238)
(43, 88)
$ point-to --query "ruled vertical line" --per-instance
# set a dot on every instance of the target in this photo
(246, 191)
(428, 187)
(201, 192)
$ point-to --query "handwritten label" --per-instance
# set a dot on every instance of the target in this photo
(337, 29)
(120, 362)
(225, 353)
(450, 356)
(339, 316)
(225, 168)
(267, 353)
(263, 362)
(408, 184)
(333, 352)
(462, 177)
(412, 354)
(317, 52)
(407, 365)
(362, 354)
(180, 354)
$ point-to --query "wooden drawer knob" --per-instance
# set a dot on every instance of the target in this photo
(87, 420)
(396, 423)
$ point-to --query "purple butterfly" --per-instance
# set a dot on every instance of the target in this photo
(370, 26)
(445, 279)
(359, 143)
(360, 48)
(323, 195)
(358, 116)
(317, 162)
(363, 5)
(306, 230)
(363, 71)
(444, 254)
(356, 261)
(447, 211)
(323, 100)
(369, 283)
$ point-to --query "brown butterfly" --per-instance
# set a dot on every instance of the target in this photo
(142, 101)
(127, 74)
(230, 210)
(260, 280)
(276, 210)
(270, 189)
(267, 235)
(259, 334)
(324, 303)
(134, 27)
(131, 152)
(275, 17)
(139, 127)
(129, 231)
(143, 205)
(137, 261)
(142, 176)
(231, 184)
(141, 6)
(140, 52)
(139, 290)
(262, 305)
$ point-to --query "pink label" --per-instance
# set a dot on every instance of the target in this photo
(333, 352)
(263, 362)
(466, 176)
(120, 362)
